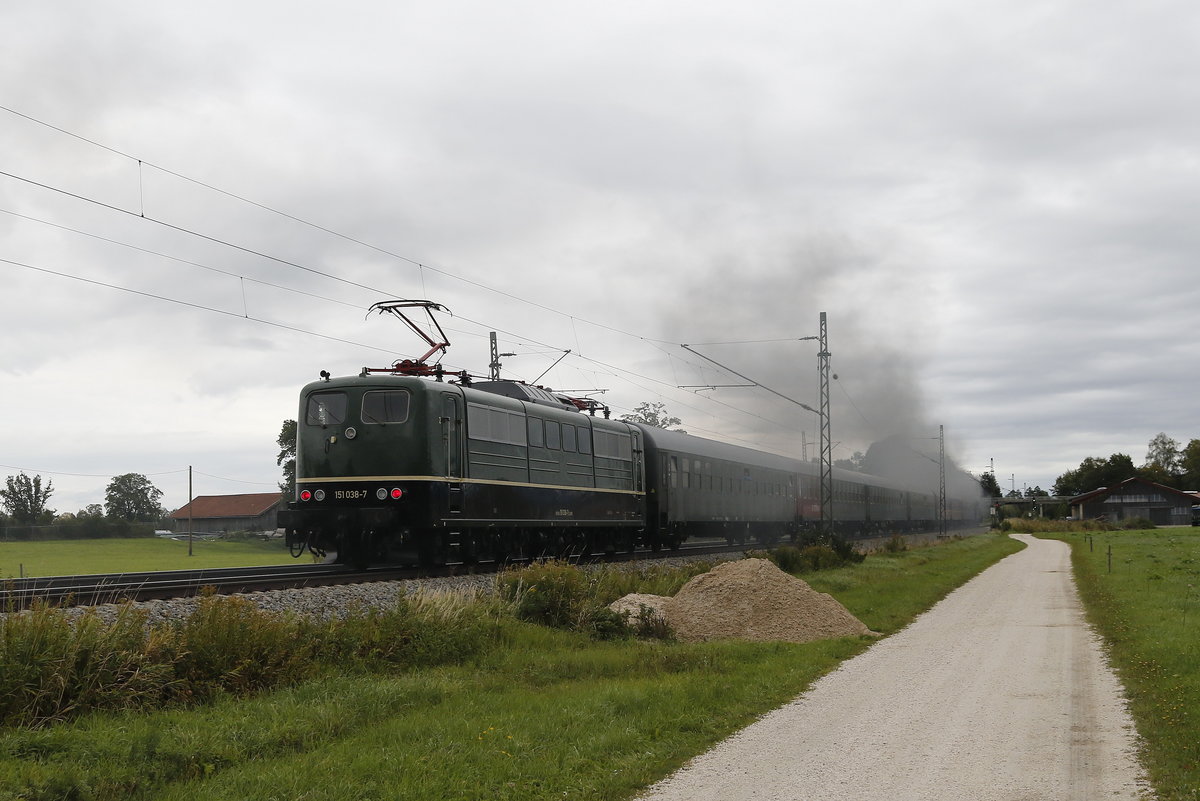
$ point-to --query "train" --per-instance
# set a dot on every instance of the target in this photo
(407, 469)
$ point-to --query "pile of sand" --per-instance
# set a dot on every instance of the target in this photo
(750, 599)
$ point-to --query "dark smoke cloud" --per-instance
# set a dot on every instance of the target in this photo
(872, 309)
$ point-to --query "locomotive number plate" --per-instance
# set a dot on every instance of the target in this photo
(349, 495)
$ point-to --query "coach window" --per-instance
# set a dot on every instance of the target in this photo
(537, 436)
(325, 409)
(385, 406)
(553, 437)
(568, 436)
(672, 471)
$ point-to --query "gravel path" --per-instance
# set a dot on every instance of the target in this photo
(998, 692)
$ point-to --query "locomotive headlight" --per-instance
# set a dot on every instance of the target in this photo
(319, 495)
(305, 495)
(381, 494)
(397, 494)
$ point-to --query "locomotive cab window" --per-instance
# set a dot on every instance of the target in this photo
(325, 409)
(385, 406)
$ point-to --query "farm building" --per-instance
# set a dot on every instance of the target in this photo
(1136, 497)
(216, 514)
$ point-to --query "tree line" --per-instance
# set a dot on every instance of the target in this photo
(1167, 463)
(129, 498)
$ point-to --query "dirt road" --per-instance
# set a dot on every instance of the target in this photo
(998, 692)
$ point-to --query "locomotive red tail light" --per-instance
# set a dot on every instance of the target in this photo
(305, 495)
(397, 494)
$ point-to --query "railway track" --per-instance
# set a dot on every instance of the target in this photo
(90, 590)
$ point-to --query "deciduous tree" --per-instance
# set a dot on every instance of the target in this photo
(653, 414)
(1189, 465)
(132, 497)
(989, 485)
(25, 498)
(1094, 473)
(287, 458)
(1162, 461)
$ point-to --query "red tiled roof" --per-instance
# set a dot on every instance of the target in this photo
(249, 505)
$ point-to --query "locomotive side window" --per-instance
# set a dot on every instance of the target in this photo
(495, 425)
(325, 409)
(553, 435)
(568, 443)
(537, 435)
(585, 440)
(385, 406)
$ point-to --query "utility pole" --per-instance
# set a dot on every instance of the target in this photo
(942, 481)
(826, 438)
(189, 510)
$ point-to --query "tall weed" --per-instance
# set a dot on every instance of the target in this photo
(51, 667)
(229, 644)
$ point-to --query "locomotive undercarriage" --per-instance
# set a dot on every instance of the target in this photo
(361, 537)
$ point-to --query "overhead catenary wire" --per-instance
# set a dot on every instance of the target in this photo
(421, 265)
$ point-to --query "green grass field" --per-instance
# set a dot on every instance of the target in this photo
(539, 714)
(80, 557)
(1147, 608)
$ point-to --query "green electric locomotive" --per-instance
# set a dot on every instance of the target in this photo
(395, 468)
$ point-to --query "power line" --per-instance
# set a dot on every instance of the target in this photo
(316, 226)
(199, 306)
(85, 475)
(251, 251)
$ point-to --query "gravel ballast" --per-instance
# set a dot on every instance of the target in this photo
(998, 692)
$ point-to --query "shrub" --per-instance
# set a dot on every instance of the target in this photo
(649, 625)
(550, 593)
(813, 556)
(229, 644)
(605, 624)
(895, 545)
(787, 558)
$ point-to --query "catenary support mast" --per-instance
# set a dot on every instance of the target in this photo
(826, 439)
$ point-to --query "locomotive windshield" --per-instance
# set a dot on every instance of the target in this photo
(326, 408)
(385, 406)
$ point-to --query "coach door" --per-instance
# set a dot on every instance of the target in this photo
(639, 464)
(452, 420)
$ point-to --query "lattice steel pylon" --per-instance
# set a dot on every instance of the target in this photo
(826, 439)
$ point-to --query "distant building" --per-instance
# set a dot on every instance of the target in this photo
(1136, 497)
(215, 514)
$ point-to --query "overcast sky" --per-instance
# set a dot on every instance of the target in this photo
(993, 202)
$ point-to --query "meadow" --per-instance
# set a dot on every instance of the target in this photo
(1141, 590)
(522, 711)
(133, 555)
